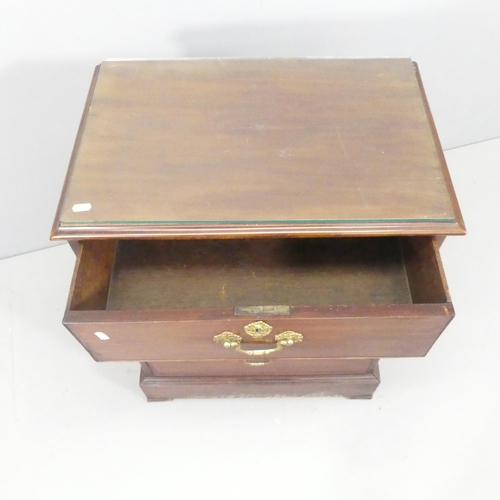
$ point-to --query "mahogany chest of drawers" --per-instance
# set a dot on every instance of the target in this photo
(257, 227)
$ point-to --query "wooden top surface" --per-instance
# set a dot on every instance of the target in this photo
(229, 147)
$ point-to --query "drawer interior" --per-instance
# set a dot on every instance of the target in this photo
(165, 274)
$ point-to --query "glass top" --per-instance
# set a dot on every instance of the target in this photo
(281, 142)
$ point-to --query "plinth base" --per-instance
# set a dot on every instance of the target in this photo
(165, 388)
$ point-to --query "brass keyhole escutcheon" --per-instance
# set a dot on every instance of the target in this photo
(258, 330)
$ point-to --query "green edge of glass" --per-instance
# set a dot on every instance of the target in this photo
(274, 221)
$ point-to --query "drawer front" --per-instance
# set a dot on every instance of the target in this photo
(156, 301)
(261, 367)
(360, 332)
(168, 387)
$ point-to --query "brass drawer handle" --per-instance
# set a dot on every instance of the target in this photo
(258, 330)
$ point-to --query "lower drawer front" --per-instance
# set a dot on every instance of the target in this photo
(260, 367)
(351, 384)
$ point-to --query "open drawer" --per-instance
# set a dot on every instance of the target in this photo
(170, 300)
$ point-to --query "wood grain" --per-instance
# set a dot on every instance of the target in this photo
(363, 329)
(364, 333)
(257, 147)
(261, 367)
(229, 273)
(424, 270)
(349, 385)
(213, 184)
(93, 271)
